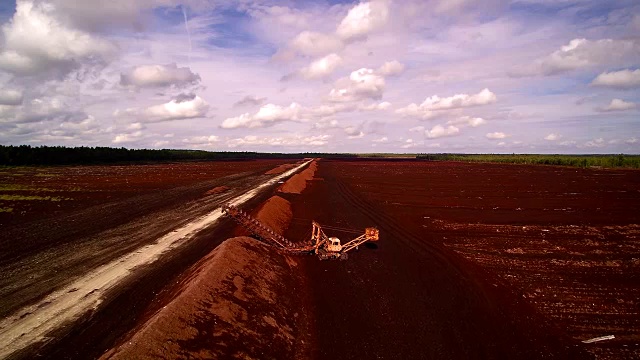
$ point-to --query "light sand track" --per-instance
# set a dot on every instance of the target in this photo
(32, 323)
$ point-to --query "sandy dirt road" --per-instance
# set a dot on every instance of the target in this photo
(37, 322)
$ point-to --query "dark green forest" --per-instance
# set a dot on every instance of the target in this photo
(60, 155)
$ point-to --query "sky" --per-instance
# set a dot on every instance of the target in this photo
(393, 76)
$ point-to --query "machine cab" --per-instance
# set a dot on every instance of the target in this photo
(334, 245)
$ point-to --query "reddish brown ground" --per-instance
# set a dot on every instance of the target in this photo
(298, 182)
(464, 268)
(476, 260)
(106, 212)
(235, 303)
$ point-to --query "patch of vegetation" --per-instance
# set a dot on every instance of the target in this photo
(6, 209)
(606, 161)
(31, 198)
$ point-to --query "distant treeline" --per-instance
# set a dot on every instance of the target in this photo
(609, 161)
(60, 155)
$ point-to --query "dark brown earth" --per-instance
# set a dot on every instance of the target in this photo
(450, 278)
(474, 261)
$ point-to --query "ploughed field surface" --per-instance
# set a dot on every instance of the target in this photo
(476, 260)
(61, 222)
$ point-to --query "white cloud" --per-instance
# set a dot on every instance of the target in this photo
(380, 106)
(322, 67)
(363, 19)
(391, 68)
(279, 141)
(127, 138)
(581, 53)
(417, 129)
(181, 108)
(202, 141)
(268, 115)
(553, 137)
(617, 105)
(35, 41)
(159, 76)
(484, 97)
(439, 131)
(361, 84)
(383, 139)
(567, 143)
(596, 143)
(631, 141)
(496, 135)
(467, 120)
(10, 97)
(312, 43)
(408, 144)
(434, 103)
(623, 79)
(354, 132)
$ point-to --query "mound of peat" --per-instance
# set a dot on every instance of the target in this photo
(280, 169)
(275, 213)
(298, 182)
(238, 304)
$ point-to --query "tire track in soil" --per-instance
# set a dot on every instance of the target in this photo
(408, 299)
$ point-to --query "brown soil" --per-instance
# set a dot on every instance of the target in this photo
(236, 305)
(298, 182)
(217, 190)
(280, 169)
(464, 268)
(115, 209)
(275, 213)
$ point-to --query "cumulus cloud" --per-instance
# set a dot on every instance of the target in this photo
(467, 121)
(496, 135)
(279, 141)
(312, 43)
(127, 138)
(391, 68)
(383, 139)
(623, 79)
(631, 141)
(361, 84)
(321, 67)
(484, 97)
(354, 132)
(363, 19)
(581, 53)
(268, 115)
(553, 137)
(250, 101)
(439, 131)
(380, 106)
(35, 42)
(202, 141)
(10, 97)
(434, 103)
(151, 76)
(188, 107)
(595, 143)
(617, 105)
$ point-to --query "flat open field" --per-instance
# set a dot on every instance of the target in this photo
(477, 260)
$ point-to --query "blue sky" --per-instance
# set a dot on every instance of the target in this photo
(524, 76)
